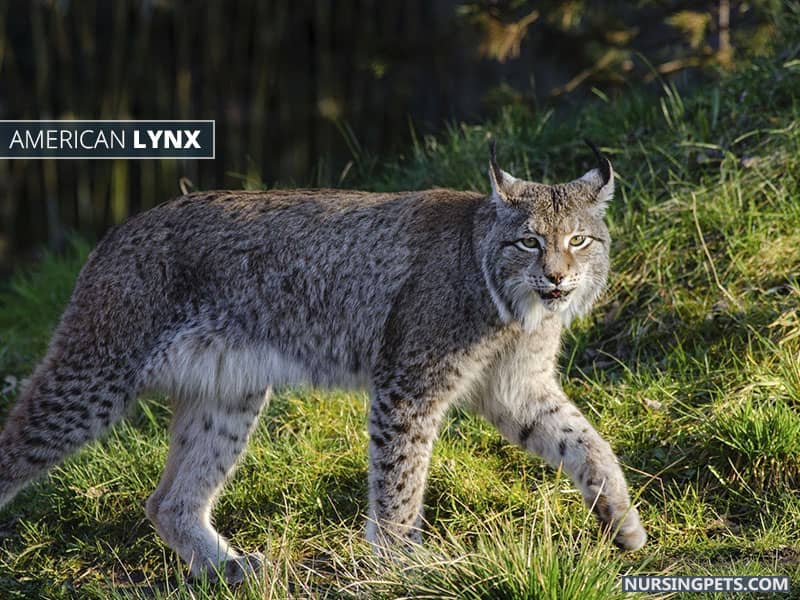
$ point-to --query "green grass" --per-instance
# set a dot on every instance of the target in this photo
(690, 366)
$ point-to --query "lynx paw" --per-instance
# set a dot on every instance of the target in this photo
(631, 535)
(236, 570)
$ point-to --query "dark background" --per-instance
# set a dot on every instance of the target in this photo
(315, 93)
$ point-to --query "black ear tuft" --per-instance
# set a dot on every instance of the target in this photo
(603, 164)
(493, 160)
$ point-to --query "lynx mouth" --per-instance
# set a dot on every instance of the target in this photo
(554, 294)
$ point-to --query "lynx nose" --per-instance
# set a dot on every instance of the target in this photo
(555, 277)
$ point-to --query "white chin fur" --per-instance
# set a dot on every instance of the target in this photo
(563, 308)
(531, 312)
(579, 303)
(528, 309)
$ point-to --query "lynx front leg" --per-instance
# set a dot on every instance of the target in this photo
(401, 433)
(549, 425)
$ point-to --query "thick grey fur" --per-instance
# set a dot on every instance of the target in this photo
(427, 298)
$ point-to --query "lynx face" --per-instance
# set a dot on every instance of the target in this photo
(548, 248)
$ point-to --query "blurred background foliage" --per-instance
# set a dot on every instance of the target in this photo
(318, 93)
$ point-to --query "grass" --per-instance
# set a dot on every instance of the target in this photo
(689, 366)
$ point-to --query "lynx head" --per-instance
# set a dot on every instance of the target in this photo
(547, 246)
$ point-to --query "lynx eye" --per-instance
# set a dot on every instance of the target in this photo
(579, 241)
(529, 244)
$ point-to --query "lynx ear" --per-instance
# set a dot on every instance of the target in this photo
(500, 180)
(601, 178)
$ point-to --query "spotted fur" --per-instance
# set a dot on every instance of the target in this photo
(427, 298)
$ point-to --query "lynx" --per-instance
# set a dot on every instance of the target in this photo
(426, 298)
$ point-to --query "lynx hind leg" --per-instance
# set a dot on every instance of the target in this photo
(555, 429)
(206, 441)
(67, 403)
(402, 433)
